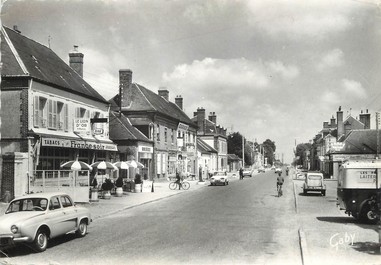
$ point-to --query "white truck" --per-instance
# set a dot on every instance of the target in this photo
(358, 186)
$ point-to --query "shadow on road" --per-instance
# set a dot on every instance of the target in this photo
(314, 194)
(24, 249)
(371, 248)
(338, 219)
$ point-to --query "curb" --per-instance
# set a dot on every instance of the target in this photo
(303, 247)
(295, 199)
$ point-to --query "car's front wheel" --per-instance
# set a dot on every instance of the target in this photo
(40, 242)
(368, 215)
(82, 229)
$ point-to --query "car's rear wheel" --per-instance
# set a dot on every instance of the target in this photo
(82, 229)
(304, 192)
(40, 242)
(323, 193)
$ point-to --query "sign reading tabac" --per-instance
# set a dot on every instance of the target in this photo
(81, 125)
(182, 126)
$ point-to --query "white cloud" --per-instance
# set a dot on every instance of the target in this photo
(353, 89)
(287, 72)
(333, 58)
(315, 18)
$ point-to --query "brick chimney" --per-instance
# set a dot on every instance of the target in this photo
(212, 117)
(179, 101)
(333, 122)
(325, 125)
(76, 61)
(340, 125)
(365, 119)
(125, 81)
(201, 120)
(163, 92)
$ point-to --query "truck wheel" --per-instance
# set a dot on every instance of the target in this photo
(323, 193)
(368, 216)
(40, 242)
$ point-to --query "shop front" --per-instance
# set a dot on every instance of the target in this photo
(49, 153)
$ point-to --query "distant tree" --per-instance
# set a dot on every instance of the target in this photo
(235, 147)
(300, 152)
(269, 150)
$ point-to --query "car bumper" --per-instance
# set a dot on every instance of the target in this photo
(218, 182)
(10, 240)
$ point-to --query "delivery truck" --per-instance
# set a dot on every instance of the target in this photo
(358, 189)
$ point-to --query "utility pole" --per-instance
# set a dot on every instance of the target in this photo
(378, 188)
(243, 151)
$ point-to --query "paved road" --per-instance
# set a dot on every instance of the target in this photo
(242, 223)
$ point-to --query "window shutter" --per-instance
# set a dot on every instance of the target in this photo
(36, 112)
(66, 118)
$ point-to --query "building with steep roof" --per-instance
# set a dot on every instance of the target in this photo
(214, 135)
(173, 133)
(131, 142)
(50, 115)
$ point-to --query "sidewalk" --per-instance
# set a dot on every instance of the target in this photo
(328, 235)
(129, 200)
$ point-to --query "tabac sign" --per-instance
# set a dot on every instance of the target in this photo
(65, 143)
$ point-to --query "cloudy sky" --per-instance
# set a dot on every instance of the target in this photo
(271, 69)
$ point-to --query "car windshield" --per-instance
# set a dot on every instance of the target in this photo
(30, 204)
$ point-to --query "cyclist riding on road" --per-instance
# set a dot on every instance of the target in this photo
(279, 183)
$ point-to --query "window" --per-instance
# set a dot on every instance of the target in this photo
(54, 203)
(165, 134)
(40, 112)
(172, 136)
(158, 133)
(52, 114)
(66, 202)
(62, 117)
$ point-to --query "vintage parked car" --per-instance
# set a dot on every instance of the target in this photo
(35, 218)
(219, 178)
(247, 172)
(261, 169)
(314, 181)
(278, 170)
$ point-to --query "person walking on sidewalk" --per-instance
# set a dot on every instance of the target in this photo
(241, 173)
(279, 183)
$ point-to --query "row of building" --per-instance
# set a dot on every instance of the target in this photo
(341, 139)
(50, 115)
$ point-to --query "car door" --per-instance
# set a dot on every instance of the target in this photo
(70, 212)
(57, 218)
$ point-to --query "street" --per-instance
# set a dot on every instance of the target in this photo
(242, 223)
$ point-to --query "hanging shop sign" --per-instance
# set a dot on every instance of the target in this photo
(182, 126)
(145, 149)
(65, 143)
(81, 125)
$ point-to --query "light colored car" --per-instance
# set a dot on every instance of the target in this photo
(261, 169)
(219, 178)
(247, 172)
(278, 170)
(314, 181)
(38, 217)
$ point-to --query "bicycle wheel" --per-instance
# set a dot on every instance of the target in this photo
(185, 185)
(172, 185)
